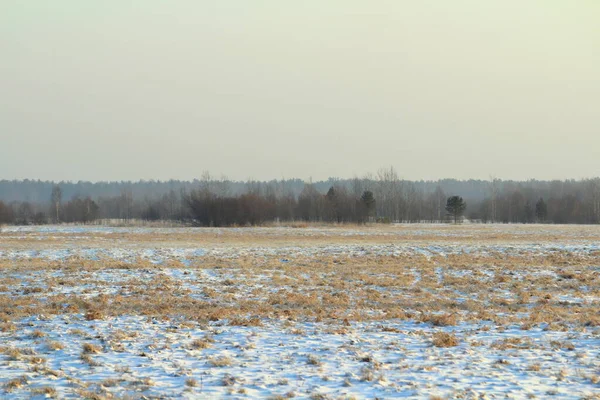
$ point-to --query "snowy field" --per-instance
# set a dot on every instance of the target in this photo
(320, 312)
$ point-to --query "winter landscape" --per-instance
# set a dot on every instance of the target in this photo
(300, 311)
(340, 199)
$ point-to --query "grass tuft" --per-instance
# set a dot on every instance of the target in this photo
(444, 339)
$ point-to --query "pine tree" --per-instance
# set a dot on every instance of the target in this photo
(541, 210)
(528, 212)
(455, 206)
(367, 205)
(332, 201)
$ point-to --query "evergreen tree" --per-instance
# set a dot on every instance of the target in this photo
(332, 201)
(455, 207)
(541, 210)
(528, 212)
(367, 205)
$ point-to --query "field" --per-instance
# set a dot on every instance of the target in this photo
(426, 311)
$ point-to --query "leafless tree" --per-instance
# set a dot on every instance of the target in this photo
(56, 202)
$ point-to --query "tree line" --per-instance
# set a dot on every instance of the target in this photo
(380, 197)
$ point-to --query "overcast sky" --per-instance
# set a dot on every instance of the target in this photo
(147, 89)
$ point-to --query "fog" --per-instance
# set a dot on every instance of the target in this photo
(119, 90)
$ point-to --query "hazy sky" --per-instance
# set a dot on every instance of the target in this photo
(130, 89)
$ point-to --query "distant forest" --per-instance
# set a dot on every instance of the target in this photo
(380, 197)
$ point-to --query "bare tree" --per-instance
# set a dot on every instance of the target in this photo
(438, 200)
(592, 194)
(56, 201)
(494, 191)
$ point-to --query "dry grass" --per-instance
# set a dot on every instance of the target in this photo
(110, 382)
(191, 382)
(563, 345)
(90, 348)
(54, 345)
(46, 391)
(86, 358)
(444, 339)
(498, 289)
(440, 320)
(322, 287)
(203, 343)
(38, 334)
(229, 380)
(221, 361)
(312, 359)
(535, 367)
(513, 343)
(367, 374)
(93, 315)
(16, 383)
(237, 321)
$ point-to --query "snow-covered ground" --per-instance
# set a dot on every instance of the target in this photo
(103, 312)
(396, 359)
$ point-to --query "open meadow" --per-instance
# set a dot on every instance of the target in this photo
(320, 312)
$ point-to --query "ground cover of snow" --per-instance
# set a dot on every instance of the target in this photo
(104, 312)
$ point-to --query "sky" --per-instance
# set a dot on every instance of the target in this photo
(271, 89)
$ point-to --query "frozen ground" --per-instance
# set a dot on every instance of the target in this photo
(318, 312)
(137, 355)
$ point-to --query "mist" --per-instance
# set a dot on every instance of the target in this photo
(312, 89)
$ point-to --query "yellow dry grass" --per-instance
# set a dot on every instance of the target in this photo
(519, 287)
